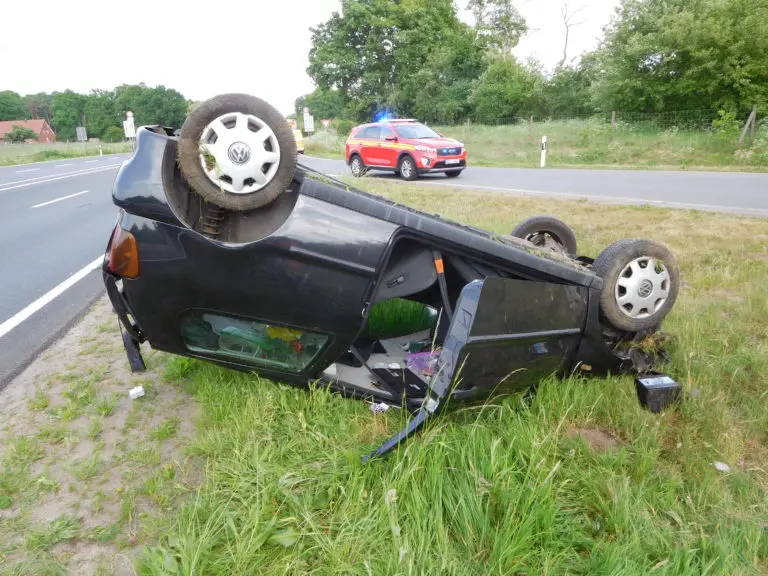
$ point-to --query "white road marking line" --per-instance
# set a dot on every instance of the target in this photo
(48, 297)
(90, 161)
(62, 165)
(60, 199)
(27, 170)
(46, 179)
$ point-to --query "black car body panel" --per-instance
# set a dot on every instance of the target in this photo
(314, 262)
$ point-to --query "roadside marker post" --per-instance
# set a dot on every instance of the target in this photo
(543, 151)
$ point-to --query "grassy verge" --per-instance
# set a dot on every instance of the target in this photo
(28, 153)
(583, 144)
(581, 481)
(219, 472)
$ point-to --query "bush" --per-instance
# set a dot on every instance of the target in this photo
(113, 134)
(343, 127)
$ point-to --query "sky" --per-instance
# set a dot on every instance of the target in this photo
(255, 46)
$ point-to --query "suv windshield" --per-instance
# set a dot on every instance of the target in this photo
(415, 131)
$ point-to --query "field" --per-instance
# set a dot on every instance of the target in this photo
(27, 153)
(216, 472)
(582, 143)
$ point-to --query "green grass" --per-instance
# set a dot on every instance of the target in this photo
(61, 529)
(507, 487)
(398, 317)
(585, 143)
(11, 154)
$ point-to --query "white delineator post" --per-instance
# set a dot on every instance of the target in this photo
(543, 151)
(101, 152)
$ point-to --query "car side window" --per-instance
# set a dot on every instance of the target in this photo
(372, 133)
(251, 342)
(386, 133)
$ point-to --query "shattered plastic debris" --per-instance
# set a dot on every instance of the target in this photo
(379, 408)
(722, 466)
(136, 392)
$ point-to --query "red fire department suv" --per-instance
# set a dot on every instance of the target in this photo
(403, 146)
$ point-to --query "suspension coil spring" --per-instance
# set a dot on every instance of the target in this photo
(212, 218)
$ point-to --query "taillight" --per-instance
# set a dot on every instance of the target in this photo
(124, 255)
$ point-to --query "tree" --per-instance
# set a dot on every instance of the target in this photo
(374, 54)
(354, 54)
(567, 92)
(67, 113)
(321, 103)
(19, 134)
(499, 22)
(39, 105)
(101, 112)
(12, 106)
(661, 55)
(113, 134)
(569, 23)
(507, 90)
(158, 105)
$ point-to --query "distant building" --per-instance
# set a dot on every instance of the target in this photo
(39, 126)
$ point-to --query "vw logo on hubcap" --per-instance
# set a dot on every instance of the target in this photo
(239, 153)
(645, 289)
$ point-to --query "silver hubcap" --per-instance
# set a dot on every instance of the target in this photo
(356, 166)
(407, 168)
(642, 287)
(239, 153)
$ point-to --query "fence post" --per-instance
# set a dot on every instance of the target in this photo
(543, 151)
(750, 122)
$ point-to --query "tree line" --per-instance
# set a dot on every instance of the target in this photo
(101, 111)
(417, 58)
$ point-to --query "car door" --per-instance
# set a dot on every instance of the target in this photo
(508, 334)
(369, 148)
(389, 148)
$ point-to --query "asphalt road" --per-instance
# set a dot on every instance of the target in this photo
(57, 217)
(56, 221)
(734, 192)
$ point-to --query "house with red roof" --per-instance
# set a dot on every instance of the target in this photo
(39, 126)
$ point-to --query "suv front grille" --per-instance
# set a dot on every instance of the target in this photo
(449, 151)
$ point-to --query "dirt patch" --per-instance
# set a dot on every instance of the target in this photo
(599, 439)
(87, 475)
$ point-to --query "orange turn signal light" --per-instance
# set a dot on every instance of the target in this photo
(124, 255)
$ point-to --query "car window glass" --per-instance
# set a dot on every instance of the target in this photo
(269, 346)
(370, 133)
(416, 131)
(386, 133)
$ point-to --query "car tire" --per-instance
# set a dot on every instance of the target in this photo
(541, 230)
(634, 296)
(356, 166)
(231, 119)
(453, 173)
(407, 168)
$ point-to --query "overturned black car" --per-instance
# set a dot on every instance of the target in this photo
(226, 250)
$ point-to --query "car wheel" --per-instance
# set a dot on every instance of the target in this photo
(453, 173)
(407, 168)
(237, 152)
(641, 280)
(357, 166)
(547, 232)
